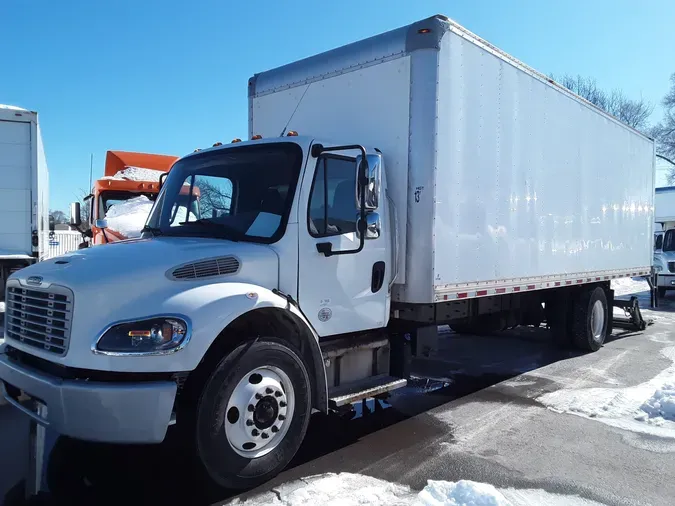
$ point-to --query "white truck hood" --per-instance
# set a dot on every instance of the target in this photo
(133, 279)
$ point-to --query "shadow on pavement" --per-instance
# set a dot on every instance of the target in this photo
(89, 473)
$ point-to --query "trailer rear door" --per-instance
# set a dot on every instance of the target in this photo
(15, 188)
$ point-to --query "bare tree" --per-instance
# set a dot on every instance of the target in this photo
(664, 131)
(58, 217)
(634, 113)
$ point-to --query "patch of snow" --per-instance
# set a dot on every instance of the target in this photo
(626, 286)
(648, 408)
(129, 217)
(347, 489)
(12, 108)
(136, 174)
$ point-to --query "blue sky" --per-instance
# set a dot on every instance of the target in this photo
(169, 76)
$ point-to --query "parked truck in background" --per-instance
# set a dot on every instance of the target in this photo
(664, 237)
(416, 178)
(130, 183)
(24, 191)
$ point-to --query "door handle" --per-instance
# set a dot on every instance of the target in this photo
(377, 279)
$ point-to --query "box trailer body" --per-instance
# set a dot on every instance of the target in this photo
(417, 178)
(24, 190)
(501, 177)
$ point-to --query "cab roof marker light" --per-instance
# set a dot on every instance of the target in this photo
(256, 137)
(236, 140)
(198, 149)
(292, 133)
(216, 144)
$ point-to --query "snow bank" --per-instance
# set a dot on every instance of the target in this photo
(626, 286)
(129, 217)
(648, 408)
(136, 174)
(347, 489)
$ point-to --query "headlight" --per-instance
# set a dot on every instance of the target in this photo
(154, 335)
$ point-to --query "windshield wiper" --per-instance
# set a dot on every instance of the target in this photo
(238, 234)
(153, 230)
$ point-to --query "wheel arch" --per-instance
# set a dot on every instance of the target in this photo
(283, 322)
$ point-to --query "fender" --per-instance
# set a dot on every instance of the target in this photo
(212, 308)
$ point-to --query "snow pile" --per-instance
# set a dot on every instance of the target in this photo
(136, 174)
(626, 286)
(129, 217)
(661, 405)
(12, 108)
(461, 493)
(647, 408)
(347, 489)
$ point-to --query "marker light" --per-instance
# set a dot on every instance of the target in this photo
(424, 30)
(292, 133)
(198, 149)
(256, 137)
(217, 144)
(236, 140)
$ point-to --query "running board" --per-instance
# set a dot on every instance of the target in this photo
(364, 389)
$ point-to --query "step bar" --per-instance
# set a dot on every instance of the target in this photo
(364, 389)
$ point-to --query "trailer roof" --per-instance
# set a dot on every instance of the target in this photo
(424, 34)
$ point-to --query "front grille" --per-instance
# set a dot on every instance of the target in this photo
(39, 318)
(671, 266)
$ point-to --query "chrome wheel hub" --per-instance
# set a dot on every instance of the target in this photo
(259, 411)
(597, 320)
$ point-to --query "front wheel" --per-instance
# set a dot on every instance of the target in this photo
(253, 414)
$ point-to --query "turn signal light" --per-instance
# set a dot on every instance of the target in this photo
(292, 133)
(236, 140)
(256, 137)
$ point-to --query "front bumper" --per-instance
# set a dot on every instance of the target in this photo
(665, 279)
(112, 412)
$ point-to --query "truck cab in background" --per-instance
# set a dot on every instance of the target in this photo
(131, 182)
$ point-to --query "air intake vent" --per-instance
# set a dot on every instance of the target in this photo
(207, 268)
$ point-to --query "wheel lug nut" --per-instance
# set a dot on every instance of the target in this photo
(268, 390)
(282, 404)
(264, 435)
(278, 394)
(251, 408)
(258, 396)
(282, 417)
(249, 423)
(275, 428)
(254, 432)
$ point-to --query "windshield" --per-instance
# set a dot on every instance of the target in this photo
(111, 198)
(241, 193)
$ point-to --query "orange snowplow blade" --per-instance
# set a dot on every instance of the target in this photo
(116, 161)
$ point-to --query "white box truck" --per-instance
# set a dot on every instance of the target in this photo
(415, 178)
(24, 191)
(664, 236)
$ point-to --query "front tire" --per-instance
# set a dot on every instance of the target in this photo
(253, 414)
(590, 320)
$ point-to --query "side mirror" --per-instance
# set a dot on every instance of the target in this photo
(75, 217)
(101, 223)
(162, 177)
(373, 175)
(372, 228)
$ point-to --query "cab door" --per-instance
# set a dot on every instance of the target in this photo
(343, 281)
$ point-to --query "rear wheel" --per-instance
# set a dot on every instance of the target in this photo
(252, 414)
(589, 328)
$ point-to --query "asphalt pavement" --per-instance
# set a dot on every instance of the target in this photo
(479, 418)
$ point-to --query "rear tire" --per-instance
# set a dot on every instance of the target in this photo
(662, 291)
(589, 326)
(252, 414)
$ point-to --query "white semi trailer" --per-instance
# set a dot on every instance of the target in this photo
(415, 178)
(24, 191)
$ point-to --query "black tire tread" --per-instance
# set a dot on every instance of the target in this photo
(581, 335)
